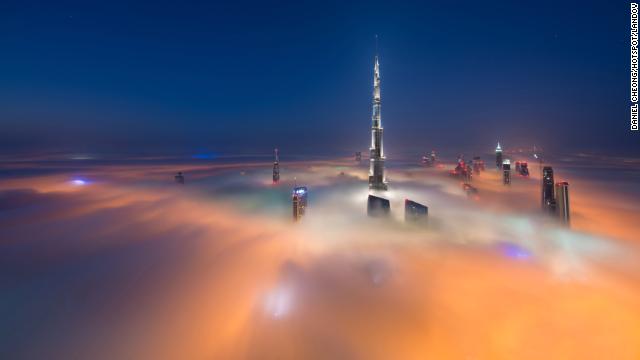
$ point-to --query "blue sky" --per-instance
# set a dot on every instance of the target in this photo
(244, 77)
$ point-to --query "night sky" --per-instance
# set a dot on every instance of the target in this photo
(244, 77)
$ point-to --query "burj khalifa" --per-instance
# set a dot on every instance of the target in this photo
(377, 179)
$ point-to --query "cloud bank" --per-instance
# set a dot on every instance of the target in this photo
(128, 264)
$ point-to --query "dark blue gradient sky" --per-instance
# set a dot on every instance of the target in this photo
(243, 77)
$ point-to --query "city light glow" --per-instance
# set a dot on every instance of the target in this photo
(78, 182)
(185, 257)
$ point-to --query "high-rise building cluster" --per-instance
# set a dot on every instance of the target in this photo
(478, 165)
(555, 196)
(429, 160)
(522, 168)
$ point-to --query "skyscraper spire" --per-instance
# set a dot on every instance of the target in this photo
(376, 45)
(377, 179)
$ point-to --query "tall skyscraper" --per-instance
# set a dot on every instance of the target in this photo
(276, 167)
(377, 179)
(506, 172)
(548, 198)
(299, 202)
(498, 156)
(562, 201)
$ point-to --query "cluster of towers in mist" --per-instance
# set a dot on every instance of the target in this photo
(555, 196)
(376, 206)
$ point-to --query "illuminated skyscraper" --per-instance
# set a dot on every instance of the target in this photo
(562, 201)
(299, 200)
(548, 199)
(376, 171)
(498, 156)
(506, 172)
(276, 167)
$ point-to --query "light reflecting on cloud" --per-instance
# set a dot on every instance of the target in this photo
(278, 301)
(78, 182)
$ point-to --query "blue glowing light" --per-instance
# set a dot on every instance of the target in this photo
(78, 182)
(514, 251)
(300, 190)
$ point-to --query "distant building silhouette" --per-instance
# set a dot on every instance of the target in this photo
(562, 201)
(478, 165)
(276, 167)
(179, 178)
(414, 211)
(470, 189)
(548, 198)
(377, 206)
(523, 168)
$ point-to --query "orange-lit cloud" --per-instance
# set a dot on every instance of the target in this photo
(132, 265)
